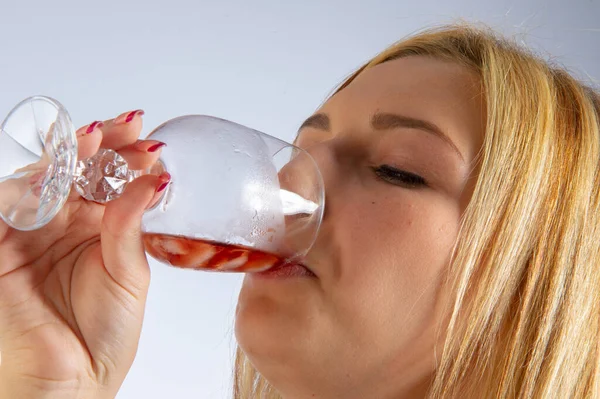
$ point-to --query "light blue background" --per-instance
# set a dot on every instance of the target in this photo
(265, 64)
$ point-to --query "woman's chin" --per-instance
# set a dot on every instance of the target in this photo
(264, 346)
(270, 327)
(275, 322)
(261, 328)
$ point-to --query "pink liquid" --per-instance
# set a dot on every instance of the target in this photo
(190, 253)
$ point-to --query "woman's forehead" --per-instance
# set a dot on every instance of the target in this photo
(444, 93)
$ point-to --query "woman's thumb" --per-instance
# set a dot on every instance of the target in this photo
(121, 236)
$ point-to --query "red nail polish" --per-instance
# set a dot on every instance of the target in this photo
(162, 187)
(94, 125)
(155, 147)
(166, 178)
(132, 114)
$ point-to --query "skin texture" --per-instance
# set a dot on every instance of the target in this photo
(72, 294)
(368, 324)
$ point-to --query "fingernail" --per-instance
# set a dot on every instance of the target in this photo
(162, 187)
(156, 147)
(166, 179)
(149, 145)
(128, 117)
(92, 126)
(132, 114)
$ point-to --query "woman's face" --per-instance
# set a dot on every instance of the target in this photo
(396, 149)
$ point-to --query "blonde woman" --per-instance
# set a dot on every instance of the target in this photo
(459, 255)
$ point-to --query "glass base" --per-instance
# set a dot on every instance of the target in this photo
(38, 153)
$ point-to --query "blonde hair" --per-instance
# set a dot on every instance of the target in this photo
(525, 271)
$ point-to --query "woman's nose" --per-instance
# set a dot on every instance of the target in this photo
(303, 198)
(323, 156)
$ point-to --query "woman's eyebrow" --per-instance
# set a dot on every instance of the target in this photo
(387, 121)
(317, 121)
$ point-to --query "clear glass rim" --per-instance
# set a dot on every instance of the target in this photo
(319, 212)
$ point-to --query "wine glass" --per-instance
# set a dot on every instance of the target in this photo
(238, 199)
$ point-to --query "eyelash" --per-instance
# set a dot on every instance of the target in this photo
(399, 177)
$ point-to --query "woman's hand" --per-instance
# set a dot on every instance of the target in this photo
(72, 294)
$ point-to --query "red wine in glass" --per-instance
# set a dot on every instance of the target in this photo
(189, 253)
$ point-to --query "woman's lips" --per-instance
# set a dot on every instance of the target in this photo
(286, 270)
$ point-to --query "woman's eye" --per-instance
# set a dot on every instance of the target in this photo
(399, 177)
